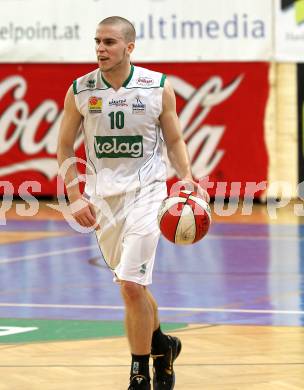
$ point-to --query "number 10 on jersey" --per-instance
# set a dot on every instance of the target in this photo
(117, 119)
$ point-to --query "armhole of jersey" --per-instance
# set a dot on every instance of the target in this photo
(162, 80)
(75, 87)
(76, 94)
(162, 83)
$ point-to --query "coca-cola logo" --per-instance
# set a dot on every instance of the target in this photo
(196, 132)
(26, 124)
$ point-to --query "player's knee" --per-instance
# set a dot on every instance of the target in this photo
(131, 291)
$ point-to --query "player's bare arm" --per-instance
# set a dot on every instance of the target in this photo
(176, 146)
(68, 131)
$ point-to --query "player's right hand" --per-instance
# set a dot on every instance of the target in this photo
(84, 213)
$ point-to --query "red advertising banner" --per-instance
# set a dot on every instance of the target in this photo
(221, 108)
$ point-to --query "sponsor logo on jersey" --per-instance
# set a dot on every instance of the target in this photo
(299, 9)
(118, 103)
(144, 81)
(138, 107)
(130, 146)
(91, 84)
(95, 104)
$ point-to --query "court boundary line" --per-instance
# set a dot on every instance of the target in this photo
(161, 308)
(47, 254)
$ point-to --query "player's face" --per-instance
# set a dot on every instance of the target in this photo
(111, 49)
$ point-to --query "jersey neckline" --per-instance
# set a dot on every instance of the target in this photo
(125, 83)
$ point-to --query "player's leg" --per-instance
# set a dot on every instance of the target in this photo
(122, 253)
(140, 240)
(159, 342)
(154, 308)
(164, 350)
(135, 270)
(139, 321)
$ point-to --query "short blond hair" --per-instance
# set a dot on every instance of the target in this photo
(128, 29)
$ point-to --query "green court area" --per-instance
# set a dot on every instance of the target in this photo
(16, 330)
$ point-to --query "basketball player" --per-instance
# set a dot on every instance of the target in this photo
(125, 113)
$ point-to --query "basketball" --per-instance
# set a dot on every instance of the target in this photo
(184, 218)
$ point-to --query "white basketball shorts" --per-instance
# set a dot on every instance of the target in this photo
(129, 232)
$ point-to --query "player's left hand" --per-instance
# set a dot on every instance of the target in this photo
(192, 185)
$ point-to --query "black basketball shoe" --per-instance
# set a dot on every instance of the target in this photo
(139, 382)
(163, 373)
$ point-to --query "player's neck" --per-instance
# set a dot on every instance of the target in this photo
(116, 77)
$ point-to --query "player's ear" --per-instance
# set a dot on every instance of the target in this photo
(130, 47)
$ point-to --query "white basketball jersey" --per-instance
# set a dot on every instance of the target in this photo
(122, 133)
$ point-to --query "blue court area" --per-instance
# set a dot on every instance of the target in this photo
(239, 274)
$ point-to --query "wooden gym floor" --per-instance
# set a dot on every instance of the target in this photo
(235, 299)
